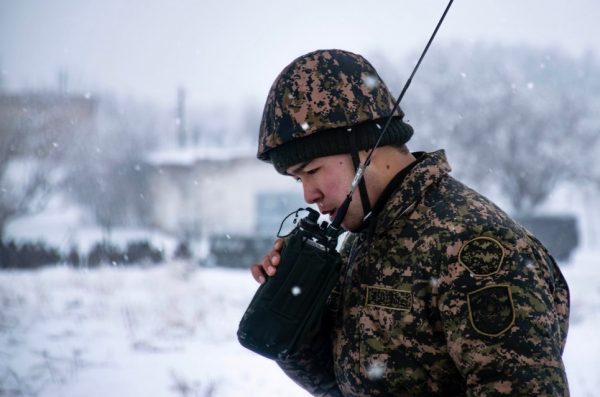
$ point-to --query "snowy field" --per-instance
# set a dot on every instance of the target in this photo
(170, 331)
(114, 331)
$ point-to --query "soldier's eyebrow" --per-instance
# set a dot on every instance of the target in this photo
(299, 168)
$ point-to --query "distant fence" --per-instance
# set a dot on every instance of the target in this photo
(225, 250)
(27, 256)
(34, 255)
(558, 233)
(238, 251)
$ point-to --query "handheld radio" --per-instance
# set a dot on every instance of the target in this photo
(288, 307)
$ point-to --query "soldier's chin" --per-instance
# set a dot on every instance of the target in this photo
(349, 226)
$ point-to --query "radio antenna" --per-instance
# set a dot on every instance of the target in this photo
(335, 225)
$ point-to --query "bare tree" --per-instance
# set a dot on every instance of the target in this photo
(515, 118)
(107, 172)
(23, 193)
(34, 133)
(90, 149)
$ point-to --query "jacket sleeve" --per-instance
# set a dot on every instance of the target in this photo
(312, 367)
(504, 306)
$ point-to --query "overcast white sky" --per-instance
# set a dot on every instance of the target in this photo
(229, 52)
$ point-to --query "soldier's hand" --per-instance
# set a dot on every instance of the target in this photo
(269, 263)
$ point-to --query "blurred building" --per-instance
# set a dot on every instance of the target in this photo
(205, 191)
(217, 196)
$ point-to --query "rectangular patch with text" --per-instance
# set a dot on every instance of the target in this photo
(388, 298)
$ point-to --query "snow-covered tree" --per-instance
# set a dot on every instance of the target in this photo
(35, 131)
(519, 119)
(107, 172)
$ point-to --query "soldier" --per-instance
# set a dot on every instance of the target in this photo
(442, 293)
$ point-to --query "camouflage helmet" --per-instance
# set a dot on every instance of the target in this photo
(317, 101)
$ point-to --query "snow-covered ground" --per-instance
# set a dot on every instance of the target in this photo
(582, 353)
(170, 330)
(159, 331)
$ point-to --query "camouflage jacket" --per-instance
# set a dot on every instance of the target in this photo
(445, 296)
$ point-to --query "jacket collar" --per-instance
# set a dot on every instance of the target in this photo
(427, 171)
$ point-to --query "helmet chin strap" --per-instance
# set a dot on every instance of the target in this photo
(362, 187)
(360, 168)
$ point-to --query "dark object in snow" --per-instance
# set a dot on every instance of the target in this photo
(135, 253)
(73, 257)
(557, 232)
(27, 255)
(143, 251)
(183, 251)
(105, 253)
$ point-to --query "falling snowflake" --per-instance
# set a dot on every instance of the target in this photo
(305, 126)
(370, 80)
(375, 371)
(296, 290)
(529, 263)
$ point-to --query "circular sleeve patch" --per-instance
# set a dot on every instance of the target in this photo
(491, 310)
(482, 256)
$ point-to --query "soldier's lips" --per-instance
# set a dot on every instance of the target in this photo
(331, 214)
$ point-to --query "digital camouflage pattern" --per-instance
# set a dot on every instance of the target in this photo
(446, 296)
(322, 90)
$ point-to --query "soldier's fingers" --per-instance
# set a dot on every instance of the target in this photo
(258, 274)
(275, 258)
(269, 263)
(278, 245)
(275, 254)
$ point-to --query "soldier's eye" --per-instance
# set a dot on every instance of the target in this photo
(313, 171)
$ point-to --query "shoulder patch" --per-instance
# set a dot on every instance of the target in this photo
(491, 310)
(482, 256)
(388, 298)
